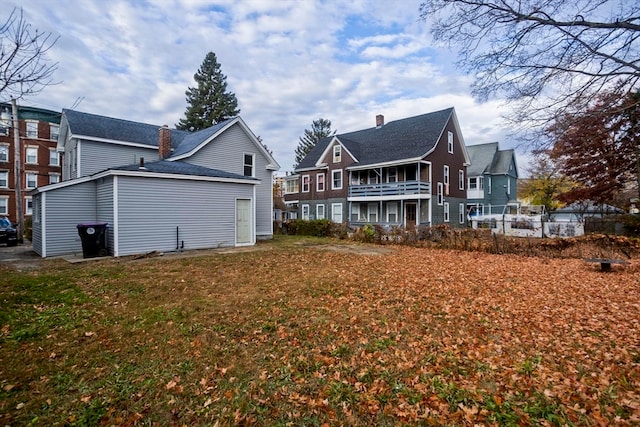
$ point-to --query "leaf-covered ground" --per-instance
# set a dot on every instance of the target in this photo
(301, 335)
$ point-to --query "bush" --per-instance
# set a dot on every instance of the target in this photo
(316, 227)
(631, 224)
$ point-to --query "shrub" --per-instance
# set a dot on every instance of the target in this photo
(315, 227)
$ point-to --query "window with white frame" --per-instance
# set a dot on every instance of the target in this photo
(336, 212)
(508, 187)
(4, 179)
(355, 212)
(320, 182)
(32, 129)
(4, 205)
(392, 175)
(36, 212)
(450, 142)
(248, 164)
(32, 180)
(320, 211)
(461, 213)
(4, 153)
(446, 179)
(476, 183)
(373, 212)
(440, 193)
(336, 179)
(292, 186)
(489, 185)
(460, 179)
(32, 155)
(54, 178)
(392, 212)
(337, 153)
(446, 211)
(306, 181)
(28, 206)
(54, 157)
(305, 212)
(54, 132)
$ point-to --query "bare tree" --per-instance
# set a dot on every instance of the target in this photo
(544, 56)
(24, 69)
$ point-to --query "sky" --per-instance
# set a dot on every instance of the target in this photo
(289, 62)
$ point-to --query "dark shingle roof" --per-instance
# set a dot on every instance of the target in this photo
(481, 157)
(182, 168)
(96, 126)
(192, 139)
(408, 138)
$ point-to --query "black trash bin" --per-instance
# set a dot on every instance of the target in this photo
(94, 239)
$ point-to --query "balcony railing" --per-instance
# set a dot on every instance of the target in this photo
(390, 189)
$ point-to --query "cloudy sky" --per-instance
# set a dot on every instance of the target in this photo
(289, 62)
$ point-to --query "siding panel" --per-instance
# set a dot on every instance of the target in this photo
(226, 153)
(104, 207)
(99, 156)
(66, 208)
(150, 209)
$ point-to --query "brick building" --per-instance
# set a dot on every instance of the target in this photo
(40, 162)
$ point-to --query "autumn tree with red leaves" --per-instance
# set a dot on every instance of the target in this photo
(599, 148)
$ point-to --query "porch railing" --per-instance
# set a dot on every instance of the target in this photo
(390, 189)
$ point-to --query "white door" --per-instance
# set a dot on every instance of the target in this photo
(243, 222)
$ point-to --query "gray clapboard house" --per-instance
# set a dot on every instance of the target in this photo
(159, 189)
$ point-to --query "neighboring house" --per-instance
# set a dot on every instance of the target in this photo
(39, 160)
(159, 189)
(492, 179)
(408, 172)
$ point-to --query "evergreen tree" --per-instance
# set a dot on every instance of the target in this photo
(209, 102)
(320, 128)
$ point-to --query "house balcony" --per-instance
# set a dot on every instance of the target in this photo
(390, 190)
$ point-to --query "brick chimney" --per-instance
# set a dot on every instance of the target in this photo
(379, 120)
(164, 142)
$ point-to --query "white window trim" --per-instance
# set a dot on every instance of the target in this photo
(28, 211)
(308, 183)
(446, 212)
(26, 179)
(26, 154)
(440, 193)
(253, 164)
(304, 208)
(395, 210)
(319, 179)
(6, 149)
(54, 174)
(32, 122)
(461, 213)
(336, 207)
(450, 142)
(7, 179)
(489, 186)
(355, 209)
(51, 151)
(461, 179)
(333, 173)
(51, 127)
(337, 153)
(395, 174)
(372, 209)
(4, 206)
(320, 207)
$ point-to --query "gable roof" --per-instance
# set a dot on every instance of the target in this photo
(119, 131)
(408, 138)
(182, 168)
(489, 159)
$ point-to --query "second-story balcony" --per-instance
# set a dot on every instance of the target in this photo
(390, 189)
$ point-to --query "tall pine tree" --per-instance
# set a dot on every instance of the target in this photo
(209, 102)
(320, 128)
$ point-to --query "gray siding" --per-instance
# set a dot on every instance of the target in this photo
(104, 207)
(150, 210)
(36, 229)
(66, 208)
(99, 156)
(226, 152)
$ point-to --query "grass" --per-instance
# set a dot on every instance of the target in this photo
(292, 333)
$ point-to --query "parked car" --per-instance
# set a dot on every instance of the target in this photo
(8, 233)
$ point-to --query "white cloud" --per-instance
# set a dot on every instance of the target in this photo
(288, 62)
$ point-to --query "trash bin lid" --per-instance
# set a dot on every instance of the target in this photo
(93, 224)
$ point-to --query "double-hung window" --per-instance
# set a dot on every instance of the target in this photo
(446, 211)
(54, 157)
(4, 153)
(54, 132)
(248, 164)
(446, 179)
(4, 179)
(460, 179)
(32, 180)
(440, 194)
(450, 142)
(337, 153)
(306, 181)
(32, 155)
(320, 182)
(320, 211)
(336, 179)
(32, 129)
(336, 212)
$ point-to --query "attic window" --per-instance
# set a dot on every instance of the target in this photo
(337, 153)
(450, 142)
(248, 165)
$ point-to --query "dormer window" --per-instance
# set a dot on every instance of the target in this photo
(337, 153)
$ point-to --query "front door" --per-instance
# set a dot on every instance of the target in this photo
(410, 215)
(243, 222)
